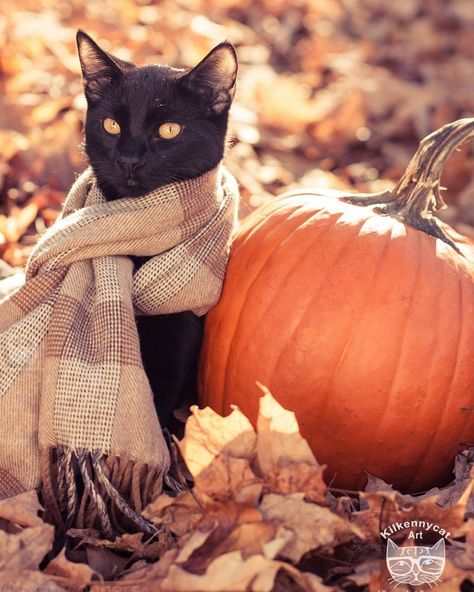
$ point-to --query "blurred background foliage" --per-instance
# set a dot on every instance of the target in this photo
(331, 93)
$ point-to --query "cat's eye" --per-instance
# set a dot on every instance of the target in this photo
(169, 130)
(111, 126)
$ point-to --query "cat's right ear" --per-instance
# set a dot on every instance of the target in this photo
(99, 68)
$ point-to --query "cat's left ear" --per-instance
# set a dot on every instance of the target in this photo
(213, 79)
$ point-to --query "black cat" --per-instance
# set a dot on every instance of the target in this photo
(145, 127)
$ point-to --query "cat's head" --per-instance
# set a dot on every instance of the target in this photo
(415, 565)
(148, 126)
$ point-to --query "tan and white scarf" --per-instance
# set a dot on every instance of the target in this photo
(74, 398)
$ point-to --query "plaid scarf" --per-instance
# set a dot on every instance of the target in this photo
(76, 407)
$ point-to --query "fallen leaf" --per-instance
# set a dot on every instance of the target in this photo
(312, 526)
(208, 434)
(76, 575)
(227, 572)
(47, 111)
(23, 509)
(26, 549)
(279, 440)
(12, 142)
(23, 580)
(109, 565)
(225, 528)
(300, 477)
(229, 478)
(390, 507)
(181, 514)
(14, 227)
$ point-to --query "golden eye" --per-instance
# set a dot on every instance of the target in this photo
(111, 126)
(169, 130)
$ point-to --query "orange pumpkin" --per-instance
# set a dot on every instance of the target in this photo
(358, 319)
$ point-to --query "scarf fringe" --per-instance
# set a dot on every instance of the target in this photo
(84, 489)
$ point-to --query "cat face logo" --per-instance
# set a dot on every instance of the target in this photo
(415, 565)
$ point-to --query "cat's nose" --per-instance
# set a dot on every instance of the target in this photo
(129, 164)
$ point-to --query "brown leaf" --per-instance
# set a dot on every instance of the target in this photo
(452, 578)
(22, 509)
(74, 574)
(103, 561)
(312, 526)
(283, 104)
(227, 572)
(149, 573)
(300, 477)
(12, 142)
(181, 515)
(279, 441)
(48, 111)
(224, 528)
(15, 226)
(390, 507)
(229, 478)
(208, 434)
(231, 572)
(131, 543)
(26, 549)
(12, 580)
(449, 496)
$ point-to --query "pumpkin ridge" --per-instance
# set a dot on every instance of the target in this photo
(359, 314)
(247, 228)
(462, 324)
(339, 257)
(424, 454)
(312, 245)
(431, 442)
(231, 351)
(362, 311)
(388, 409)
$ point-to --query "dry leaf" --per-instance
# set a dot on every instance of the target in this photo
(279, 440)
(227, 572)
(15, 226)
(181, 515)
(12, 580)
(22, 509)
(147, 577)
(26, 549)
(48, 111)
(108, 564)
(389, 507)
(208, 434)
(12, 142)
(224, 528)
(300, 477)
(78, 575)
(229, 478)
(312, 526)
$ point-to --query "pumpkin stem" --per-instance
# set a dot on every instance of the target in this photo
(418, 193)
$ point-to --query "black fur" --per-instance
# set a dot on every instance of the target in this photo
(137, 160)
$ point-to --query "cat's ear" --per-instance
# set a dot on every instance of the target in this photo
(213, 79)
(438, 547)
(99, 68)
(391, 547)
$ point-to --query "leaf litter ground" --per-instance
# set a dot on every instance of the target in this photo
(254, 515)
